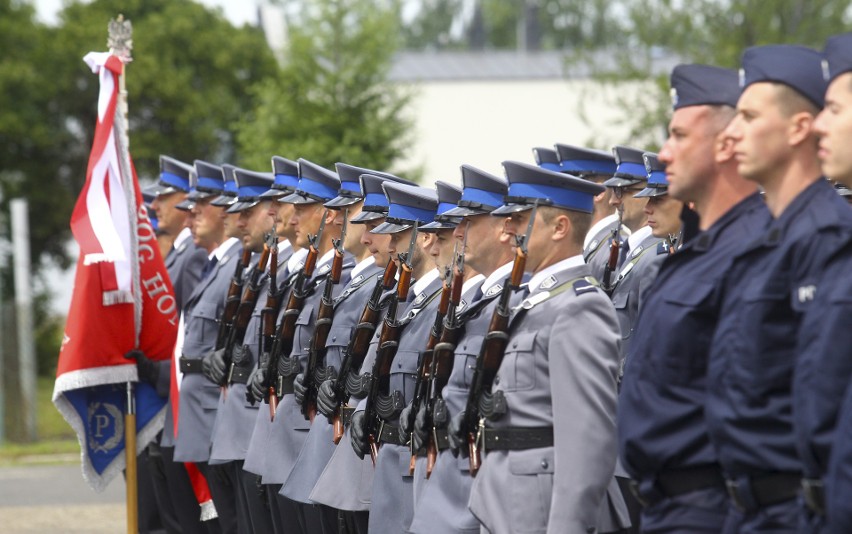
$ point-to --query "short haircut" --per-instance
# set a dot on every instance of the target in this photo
(791, 102)
(580, 222)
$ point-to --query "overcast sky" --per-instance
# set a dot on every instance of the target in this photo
(237, 11)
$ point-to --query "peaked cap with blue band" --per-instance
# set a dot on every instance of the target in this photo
(286, 172)
(703, 85)
(529, 185)
(149, 193)
(797, 67)
(316, 184)
(174, 176)
(482, 193)
(837, 56)
(658, 184)
(229, 193)
(189, 202)
(350, 185)
(630, 168)
(250, 187)
(582, 162)
(407, 204)
(210, 181)
(375, 202)
(547, 158)
(448, 197)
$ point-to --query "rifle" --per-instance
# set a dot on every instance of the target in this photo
(491, 353)
(359, 345)
(273, 382)
(388, 343)
(232, 302)
(442, 361)
(315, 374)
(250, 295)
(614, 251)
(269, 313)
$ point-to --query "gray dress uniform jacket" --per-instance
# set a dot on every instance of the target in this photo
(184, 264)
(559, 370)
(635, 276)
(319, 444)
(289, 430)
(235, 416)
(346, 481)
(596, 249)
(392, 501)
(198, 396)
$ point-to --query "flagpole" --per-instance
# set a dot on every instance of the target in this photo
(120, 44)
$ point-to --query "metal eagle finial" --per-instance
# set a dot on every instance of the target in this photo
(120, 40)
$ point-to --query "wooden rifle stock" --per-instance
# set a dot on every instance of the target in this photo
(316, 357)
(388, 344)
(269, 314)
(247, 303)
(612, 261)
(232, 302)
(359, 344)
(490, 357)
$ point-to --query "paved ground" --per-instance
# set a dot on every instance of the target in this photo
(55, 498)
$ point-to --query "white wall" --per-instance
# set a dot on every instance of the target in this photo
(485, 123)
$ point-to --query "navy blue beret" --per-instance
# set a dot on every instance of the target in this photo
(837, 56)
(703, 85)
(798, 67)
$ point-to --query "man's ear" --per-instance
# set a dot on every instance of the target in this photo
(561, 228)
(801, 128)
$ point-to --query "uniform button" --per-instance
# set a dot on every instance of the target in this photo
(544, 464)
(515, 345)
(496, 380)
(334, 338)
(399, 365)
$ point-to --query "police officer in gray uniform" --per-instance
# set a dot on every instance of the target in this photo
(596, 166)
(442, 506)
(235, 415)
(550, 458)
(346, 481)
(641, 254)
(348, 307)
(184, 263)
(289, 429)
(198, 397)
(392, 497)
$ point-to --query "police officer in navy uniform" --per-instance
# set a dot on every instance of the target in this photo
(824, 366)
(346, 481)
(348, 306)
(550, 456)
(663, 439)
(770, 286)
(235, 416)
(442, 506)
(392, 503)
(596, 166)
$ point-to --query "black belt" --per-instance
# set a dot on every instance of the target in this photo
(814, 495)
(766, 490)
(388, 433)
(516, 439)
(676, 482)
(238, 375)
(190, 366)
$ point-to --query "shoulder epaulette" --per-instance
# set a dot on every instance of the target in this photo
(585, 285)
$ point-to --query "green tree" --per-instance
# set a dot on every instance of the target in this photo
(431, 26)
(331, 101)
(705, 31)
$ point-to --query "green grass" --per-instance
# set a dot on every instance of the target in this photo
(55, 436)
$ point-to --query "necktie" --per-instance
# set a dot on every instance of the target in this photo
(625, 251)
(209, 266)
